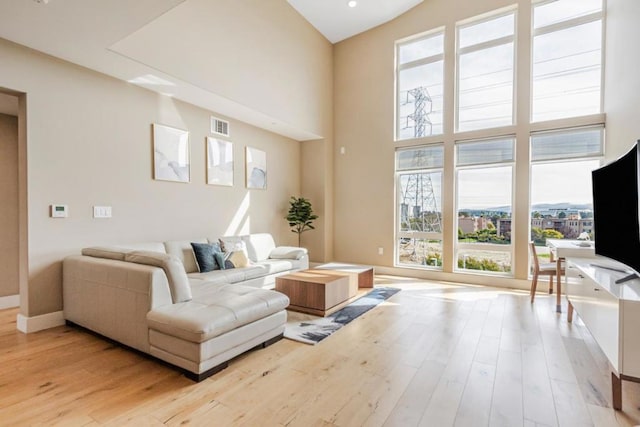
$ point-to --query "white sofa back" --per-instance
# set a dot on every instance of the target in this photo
(259, 246)
(183, 250)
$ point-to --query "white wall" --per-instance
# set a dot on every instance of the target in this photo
(88, 139)
(622, 83)
(89, 143)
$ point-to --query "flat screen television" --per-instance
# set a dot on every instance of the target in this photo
(615, 210)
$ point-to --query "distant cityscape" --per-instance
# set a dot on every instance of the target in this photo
(568, 219)
(490, 225)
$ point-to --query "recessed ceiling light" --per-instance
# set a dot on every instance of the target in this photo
(352, 3)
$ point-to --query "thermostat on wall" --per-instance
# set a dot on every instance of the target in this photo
(59, 211)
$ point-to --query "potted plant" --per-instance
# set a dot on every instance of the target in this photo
(300, 215)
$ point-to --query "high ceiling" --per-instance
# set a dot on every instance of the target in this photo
(101, 35)
(337, 21)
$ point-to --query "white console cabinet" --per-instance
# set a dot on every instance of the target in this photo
(610, 311)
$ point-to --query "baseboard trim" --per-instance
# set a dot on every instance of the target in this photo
(10, 301)
(38, 323)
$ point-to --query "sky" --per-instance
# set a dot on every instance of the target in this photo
(566, 83)
(566, 182)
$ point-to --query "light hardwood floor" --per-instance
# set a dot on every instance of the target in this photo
(435, 354)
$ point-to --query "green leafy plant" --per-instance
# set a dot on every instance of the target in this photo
(300, 216)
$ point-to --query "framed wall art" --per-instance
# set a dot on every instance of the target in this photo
(170, 154)
(256, 168)
(219, 162)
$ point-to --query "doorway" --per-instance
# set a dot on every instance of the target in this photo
(10, 195)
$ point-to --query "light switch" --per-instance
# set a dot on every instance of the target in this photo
(102, 211)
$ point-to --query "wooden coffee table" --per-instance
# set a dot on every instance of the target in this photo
(362, 274)
(315, 291)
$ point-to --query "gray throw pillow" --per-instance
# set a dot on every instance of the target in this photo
(205, 258)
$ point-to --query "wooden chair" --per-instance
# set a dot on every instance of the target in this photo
(542, 269)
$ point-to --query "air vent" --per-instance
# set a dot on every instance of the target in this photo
(220, 127)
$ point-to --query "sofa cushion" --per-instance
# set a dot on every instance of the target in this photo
(215, 276)
(183, 250)
(228, 242)
(259, 246)
(238, 259)
(108, 252)
(272, 266)
(221, 309)
(288, 252)
(173, 268)
(205, 256)
(235, 275)
(220, 276)
(219, 257)
(255, 271)
(235, 253)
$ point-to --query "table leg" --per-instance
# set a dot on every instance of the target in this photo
(559, 285)
(616, 391)
(552, 258)
(570, 313)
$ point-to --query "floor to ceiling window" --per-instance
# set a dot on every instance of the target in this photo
(567, 54)
(486, 132)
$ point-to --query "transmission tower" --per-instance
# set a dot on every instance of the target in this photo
(422, 107)
(420, 210)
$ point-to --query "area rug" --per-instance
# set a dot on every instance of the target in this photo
(315, 330)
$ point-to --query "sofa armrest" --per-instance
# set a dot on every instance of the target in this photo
(288, 252)
(171, 264)
(113, 297)
(173, 268)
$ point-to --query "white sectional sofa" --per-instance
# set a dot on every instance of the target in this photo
(153, 298)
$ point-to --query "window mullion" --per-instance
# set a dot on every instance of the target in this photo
(422, 61)
(486, 45)
(557, 26)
